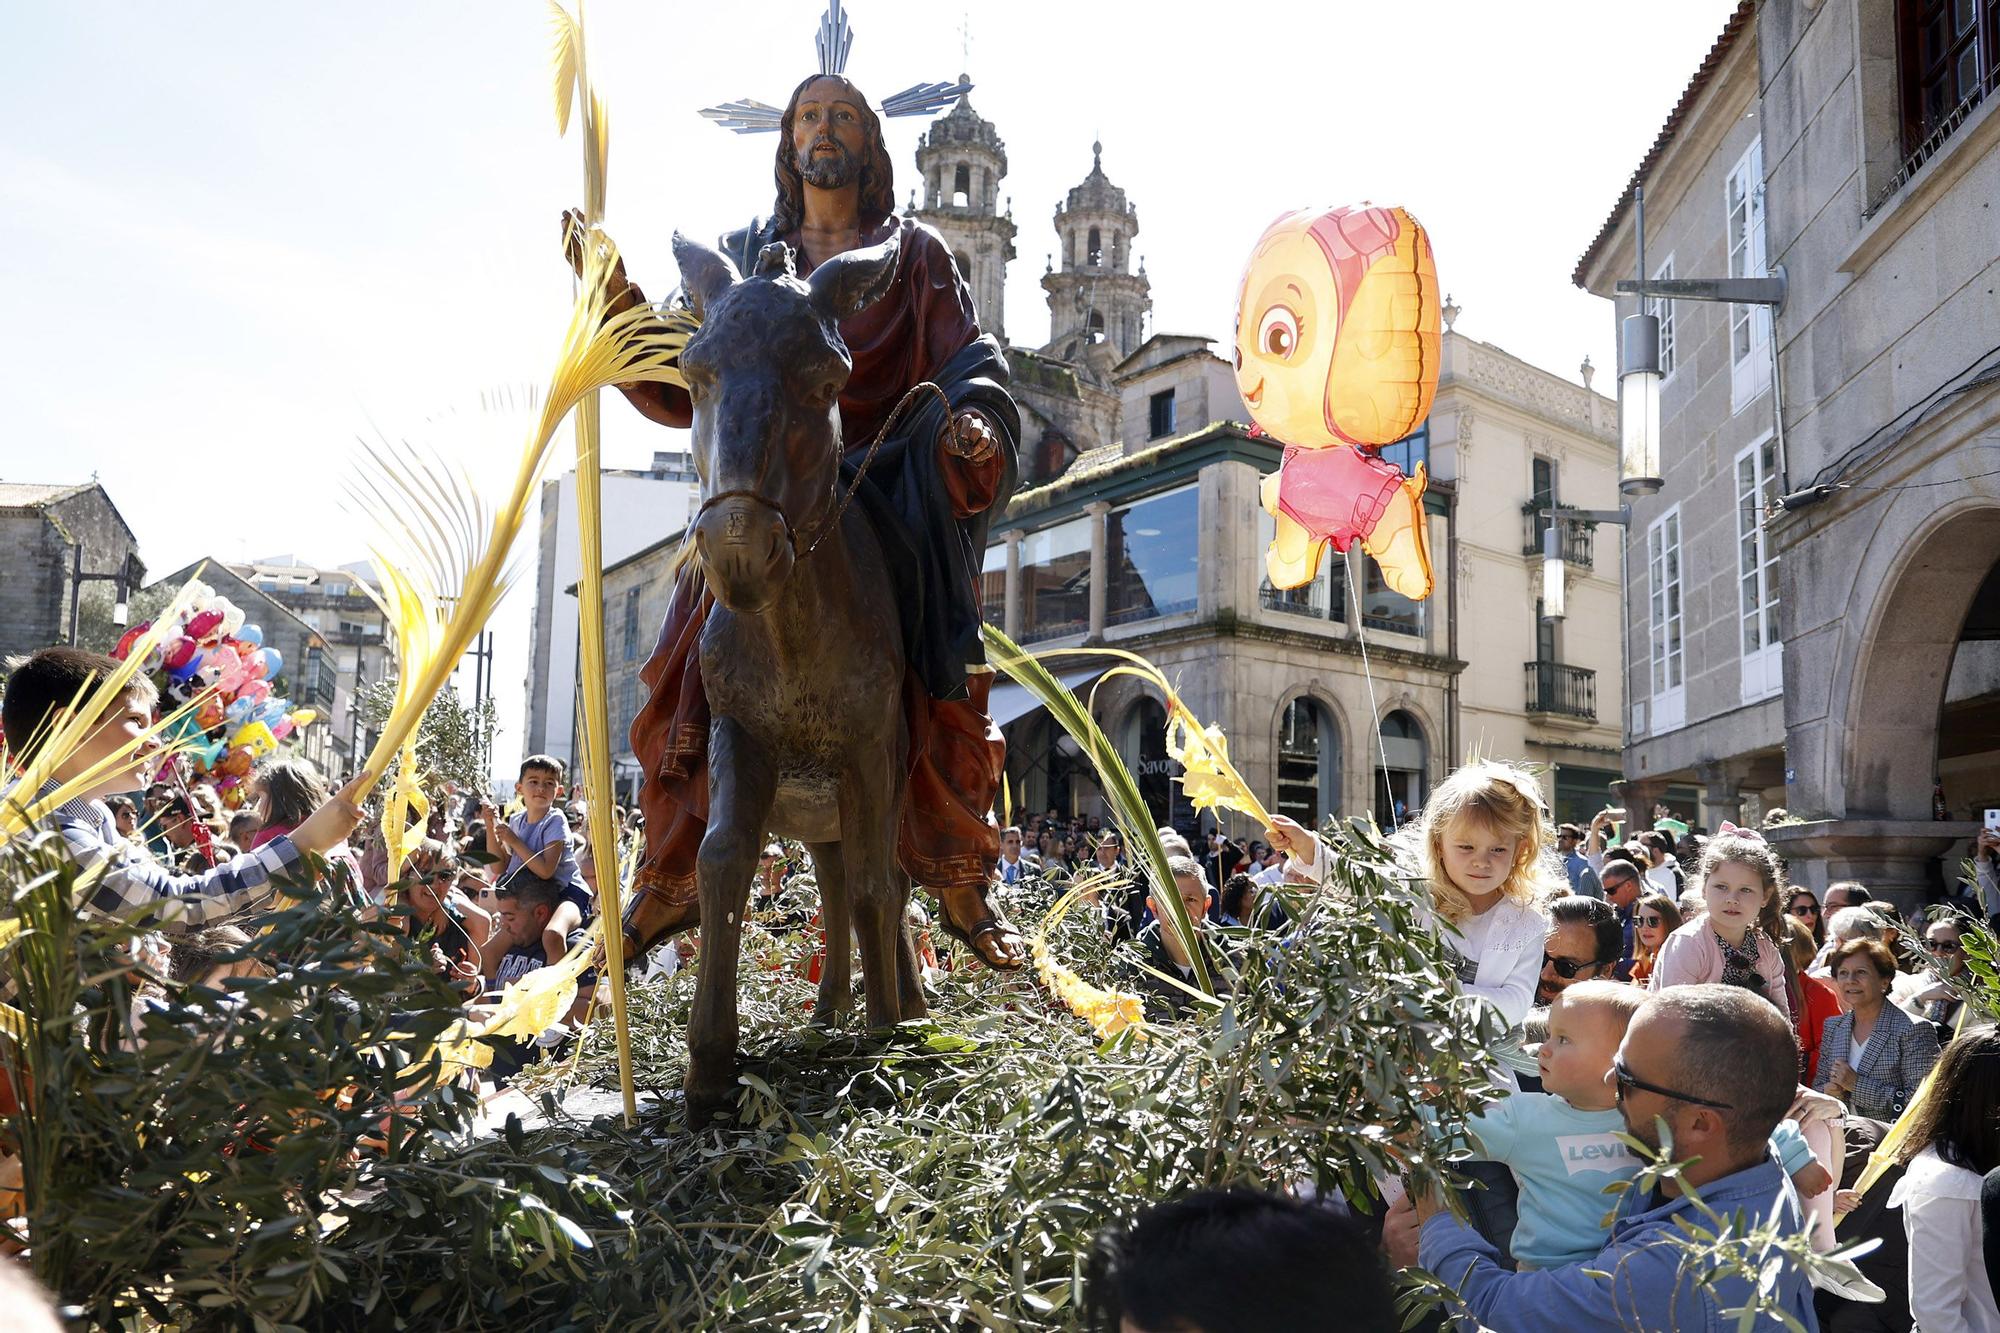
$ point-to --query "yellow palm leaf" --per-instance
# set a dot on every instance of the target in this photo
(60, 736)
(537, 1002)
(566, 55)
(440, 552)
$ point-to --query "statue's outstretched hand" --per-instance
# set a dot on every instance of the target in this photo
(575, 230)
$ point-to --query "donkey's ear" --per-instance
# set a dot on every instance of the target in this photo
(705, 273)
(848, 284)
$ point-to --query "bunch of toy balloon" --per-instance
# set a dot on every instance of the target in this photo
(1337, 348)
(216, 661)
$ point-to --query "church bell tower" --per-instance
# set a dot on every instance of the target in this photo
(962, 162)
(1094, 296)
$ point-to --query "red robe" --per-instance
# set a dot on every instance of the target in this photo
(947, 837)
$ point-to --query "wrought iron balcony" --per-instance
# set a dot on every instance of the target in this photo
(1562, 690)
(1579, 540)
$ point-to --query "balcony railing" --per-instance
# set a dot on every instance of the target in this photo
(1309, 600)
(1563, 690)
(1579, 540)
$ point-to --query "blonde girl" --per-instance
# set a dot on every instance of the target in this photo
(1483, 848)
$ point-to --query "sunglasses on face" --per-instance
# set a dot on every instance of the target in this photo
(1627, 1079)
(1567, 968)
(1652, 921)
(1805, 909)
(1946, 946)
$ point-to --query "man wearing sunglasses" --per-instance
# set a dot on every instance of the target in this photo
(1583, 944)
(1712, 1066)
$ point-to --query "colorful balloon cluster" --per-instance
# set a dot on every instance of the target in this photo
(216, 658)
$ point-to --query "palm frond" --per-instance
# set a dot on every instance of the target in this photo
(68, 728)
(566, 43)
(1128, 809)
(441, 551)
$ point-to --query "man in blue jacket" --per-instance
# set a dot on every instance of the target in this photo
(1714, 1064)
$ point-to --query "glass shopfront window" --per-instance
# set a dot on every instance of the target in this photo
(1381, 607)
(1055, 581)
(1150, 556)
(993, 586)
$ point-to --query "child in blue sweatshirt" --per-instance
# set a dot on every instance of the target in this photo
(1563, 1144)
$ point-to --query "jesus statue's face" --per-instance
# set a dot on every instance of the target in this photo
(828, 134)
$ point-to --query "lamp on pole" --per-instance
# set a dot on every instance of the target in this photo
(1639, 359)
(121, 609)
(1555, 566)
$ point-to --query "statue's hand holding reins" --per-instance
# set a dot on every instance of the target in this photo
(967, 435)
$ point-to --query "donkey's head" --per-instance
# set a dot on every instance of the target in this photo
(765, 372)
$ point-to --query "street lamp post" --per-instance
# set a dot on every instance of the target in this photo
(1639, 369)
(121, 610)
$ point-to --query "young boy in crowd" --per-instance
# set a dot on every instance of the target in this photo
(41, 687)
(536, 842)
(1562, 1143)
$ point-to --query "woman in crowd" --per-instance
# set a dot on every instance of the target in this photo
(1736, 941)
(1818, 1001)
(1873, 1056)
(1480, 847)
(446, 921)
(1802, 905)
(288, 790)
(1656, 917)
(1954, 1141)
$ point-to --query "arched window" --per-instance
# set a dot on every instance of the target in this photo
(1308, 763)
(964, 262)
(961, 186)
(1097, 326)
(1142, 743)
(1400, 787)
(1094, 252)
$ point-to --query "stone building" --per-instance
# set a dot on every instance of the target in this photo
(1818, 596)
(638, 504)
(311, 677)
(962, 161)
(1156, 546)
(58, 542)
(332, 603)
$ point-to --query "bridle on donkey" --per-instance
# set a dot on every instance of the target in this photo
(821, 529)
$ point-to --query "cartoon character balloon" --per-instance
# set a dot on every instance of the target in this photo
(1336, 355)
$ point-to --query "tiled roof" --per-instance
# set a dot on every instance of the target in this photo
(1739, 22)
(32, 494)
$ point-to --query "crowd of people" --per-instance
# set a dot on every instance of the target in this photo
(1670, 985)
(1675, 987)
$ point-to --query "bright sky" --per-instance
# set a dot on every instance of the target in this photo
(235, 235)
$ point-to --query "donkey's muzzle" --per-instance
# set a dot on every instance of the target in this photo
(745, 552)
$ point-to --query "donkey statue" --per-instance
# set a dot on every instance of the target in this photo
(802, 654)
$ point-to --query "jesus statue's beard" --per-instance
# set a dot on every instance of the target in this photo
(829, 172)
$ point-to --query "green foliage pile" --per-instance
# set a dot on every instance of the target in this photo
(949, 1174)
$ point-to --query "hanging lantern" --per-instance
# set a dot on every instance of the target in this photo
(1553, 571)
(1639, 406)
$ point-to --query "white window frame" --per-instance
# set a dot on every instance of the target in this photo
(1662, 309)
(1757, 572)
(1666, 623)
(1743, 234)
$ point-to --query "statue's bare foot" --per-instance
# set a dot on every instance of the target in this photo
(1400, 541)
(973, 921)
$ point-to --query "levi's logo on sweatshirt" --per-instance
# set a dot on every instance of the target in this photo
(1592, 1152)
